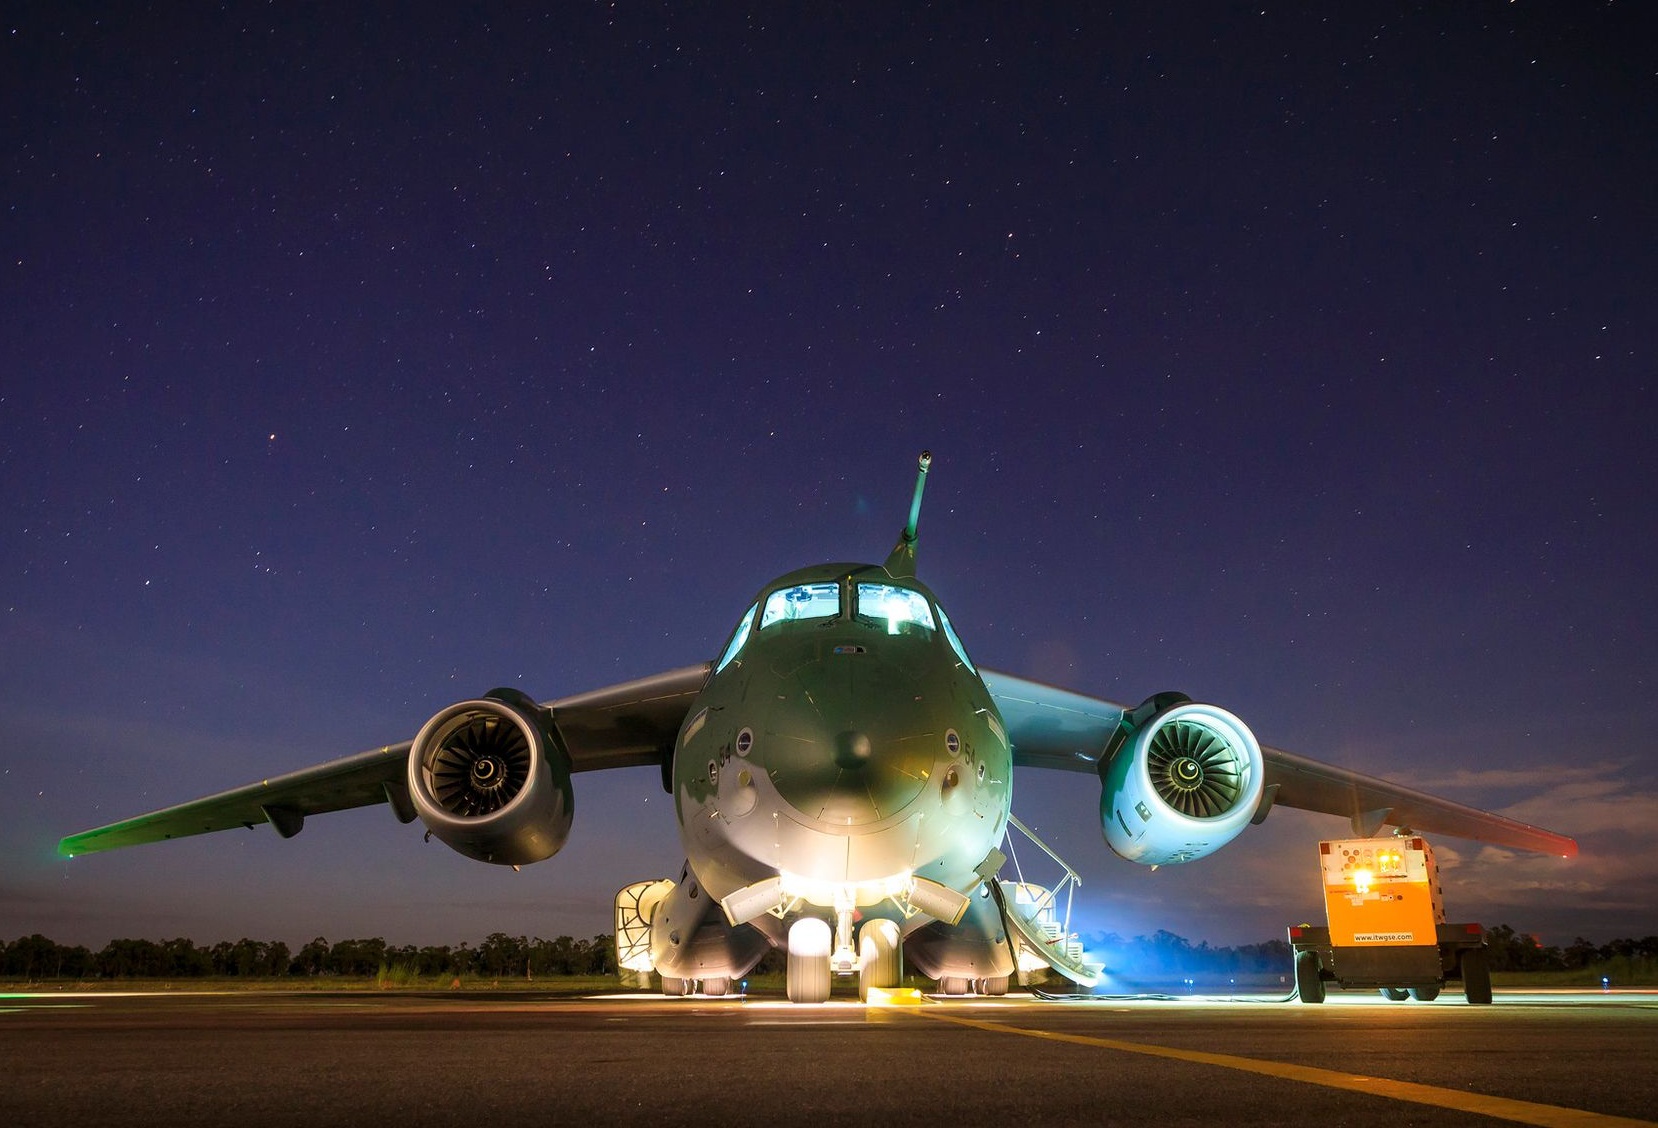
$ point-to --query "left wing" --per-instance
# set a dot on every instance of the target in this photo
(375, 776)
(630, 724)
(1057, 728)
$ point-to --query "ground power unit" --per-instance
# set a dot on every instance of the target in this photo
(1386, 926)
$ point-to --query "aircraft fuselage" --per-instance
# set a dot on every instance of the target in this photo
(844, 746)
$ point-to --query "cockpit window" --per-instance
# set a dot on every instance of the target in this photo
(807, 601)
(955, 642)
(737, 640)
(895, 609)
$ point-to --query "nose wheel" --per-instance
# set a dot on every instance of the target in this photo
(881, 959)
(808, 971)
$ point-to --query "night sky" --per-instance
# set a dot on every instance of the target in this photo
(1301, 359)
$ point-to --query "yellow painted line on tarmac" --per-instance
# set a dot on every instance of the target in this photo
(1521, 1112)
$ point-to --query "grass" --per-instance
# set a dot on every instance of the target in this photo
(1620, 971)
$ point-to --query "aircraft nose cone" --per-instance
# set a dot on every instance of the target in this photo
(863, 751)
(848, 776)
(852, 750)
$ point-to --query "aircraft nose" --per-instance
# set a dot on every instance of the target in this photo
(852, 750)
(849, 779)
(861, 753)
(856, 740)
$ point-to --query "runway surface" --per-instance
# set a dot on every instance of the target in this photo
(520, 1058)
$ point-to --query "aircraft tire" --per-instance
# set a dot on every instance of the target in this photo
(954, 985)
(1308, 984)
(1395, 994)
(881, 962)
(717, 985)
(807, 978)
(994, 985)
(675, 986)
(1424, 994)
(1476, 977)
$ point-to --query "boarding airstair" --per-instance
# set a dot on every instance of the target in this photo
(1041, 933)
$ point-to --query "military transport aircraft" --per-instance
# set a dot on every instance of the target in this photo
(843, 776)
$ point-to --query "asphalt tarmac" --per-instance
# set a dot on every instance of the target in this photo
(519, 1059)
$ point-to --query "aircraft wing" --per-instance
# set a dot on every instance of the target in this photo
(628, 725)
(1058, 728)
(633, 723)
(1050, 727)
(283, 801)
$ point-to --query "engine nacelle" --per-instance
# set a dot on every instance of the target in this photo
(1184, 783)
(491, 779)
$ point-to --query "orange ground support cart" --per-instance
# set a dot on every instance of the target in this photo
(1387, 927)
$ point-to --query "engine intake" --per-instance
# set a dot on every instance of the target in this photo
(490, 778)
(1183, 781)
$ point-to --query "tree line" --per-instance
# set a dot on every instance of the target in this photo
(498, 956)
(1516, 951)
(501, 956)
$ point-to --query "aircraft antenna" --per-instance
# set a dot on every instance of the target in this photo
(915, 503)
(902, 560)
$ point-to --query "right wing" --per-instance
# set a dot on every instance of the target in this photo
(630, 724)
(1370, 803)
(1059, 728)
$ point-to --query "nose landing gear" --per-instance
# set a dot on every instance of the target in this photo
(808, 970)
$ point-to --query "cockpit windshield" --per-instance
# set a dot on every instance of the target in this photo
(805, 601)
(737, 640)
(895, 609)
(955, 641)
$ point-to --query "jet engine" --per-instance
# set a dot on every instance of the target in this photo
(1181, 782)
(490, 778)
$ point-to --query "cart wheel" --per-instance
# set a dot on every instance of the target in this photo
(1424, 994)
(1476, 977)
(1395, 994)
(1308, 983)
